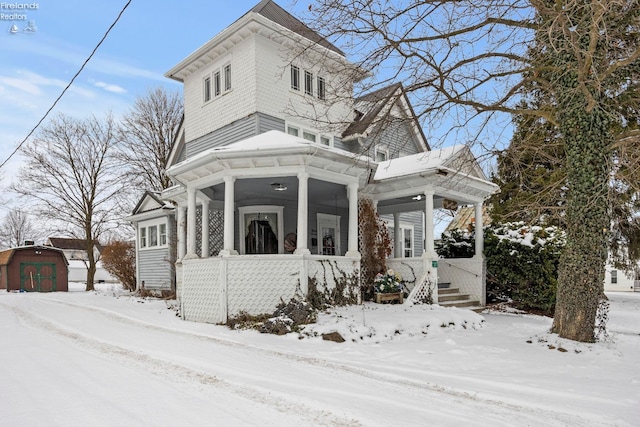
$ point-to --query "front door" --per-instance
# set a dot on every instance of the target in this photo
(37, 276)
(328, 234)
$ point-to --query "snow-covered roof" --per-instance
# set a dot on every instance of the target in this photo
(416, 163)
(272, 142)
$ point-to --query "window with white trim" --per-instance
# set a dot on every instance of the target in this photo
(321, 88)
(292, 130)
(143, 237)
(309, 136)
(407, 241)
(381, 154)
(614, 277)
(295, 77)
(153, 234)
(217, 84)
(162, 228)
(308, 82)
(227, 77)
(325, 140)
(262, 229)
(207, 89)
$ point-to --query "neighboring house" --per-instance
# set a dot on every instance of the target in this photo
(619, 280)
(267, 197)
(33, 269)
(155, 225)
(76, 253)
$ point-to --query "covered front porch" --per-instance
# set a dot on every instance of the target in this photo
(276, 217)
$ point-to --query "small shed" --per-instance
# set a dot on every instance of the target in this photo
(34, 269)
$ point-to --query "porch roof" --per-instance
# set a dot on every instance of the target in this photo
(272, 153)
(451, 172)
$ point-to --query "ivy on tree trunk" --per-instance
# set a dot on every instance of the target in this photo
(581, 274)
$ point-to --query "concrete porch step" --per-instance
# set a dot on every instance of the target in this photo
(451, 297)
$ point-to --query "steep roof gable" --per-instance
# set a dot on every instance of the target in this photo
(262, 16)
(272, 11)
(374, 108)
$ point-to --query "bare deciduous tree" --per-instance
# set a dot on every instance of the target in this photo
(464, 62)
(16, 228)
(73, 175)
(149, 130)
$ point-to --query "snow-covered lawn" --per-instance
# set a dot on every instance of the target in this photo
(108, 359)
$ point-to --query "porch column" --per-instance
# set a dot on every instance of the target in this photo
(479, 242)
(303, 213)
(397, 236)
(429, 247)
(205, 229)
(181, 232)
(229, 208)
(191, 223)
(352, 244)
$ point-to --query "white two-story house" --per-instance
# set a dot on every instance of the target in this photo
(272, 162)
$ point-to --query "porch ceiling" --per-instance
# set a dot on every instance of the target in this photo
(445, 183)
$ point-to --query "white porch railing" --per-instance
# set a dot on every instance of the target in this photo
(212, 289)
(467, 274)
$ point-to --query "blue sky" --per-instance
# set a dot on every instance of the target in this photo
(150, 38)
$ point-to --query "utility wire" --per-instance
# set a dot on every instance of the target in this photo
(67, 87)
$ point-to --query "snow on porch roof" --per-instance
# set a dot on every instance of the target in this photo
(272, 142)
(416, 163)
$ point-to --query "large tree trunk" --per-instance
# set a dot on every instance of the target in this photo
(582, 264)
(91, 260)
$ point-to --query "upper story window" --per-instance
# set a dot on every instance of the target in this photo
(321, 88)
(309, 136)
(217, 84)
(381, 154)
(227, 77)
(207, 88)
(295, 78)
(308, 83)
(292, 130)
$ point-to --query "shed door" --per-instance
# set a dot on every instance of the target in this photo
(37, 276)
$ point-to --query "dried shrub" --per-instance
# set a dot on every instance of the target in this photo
(119, 259)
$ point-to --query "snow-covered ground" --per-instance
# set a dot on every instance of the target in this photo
(107, 359)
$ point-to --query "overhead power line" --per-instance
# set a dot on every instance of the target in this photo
(13, 153)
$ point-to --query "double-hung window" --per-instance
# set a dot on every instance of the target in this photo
(162, 228)
(207, 88)
(217, 84)
(143, 237)
(308, 83)
(321, 88)
(227, 77)
(295, 78)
